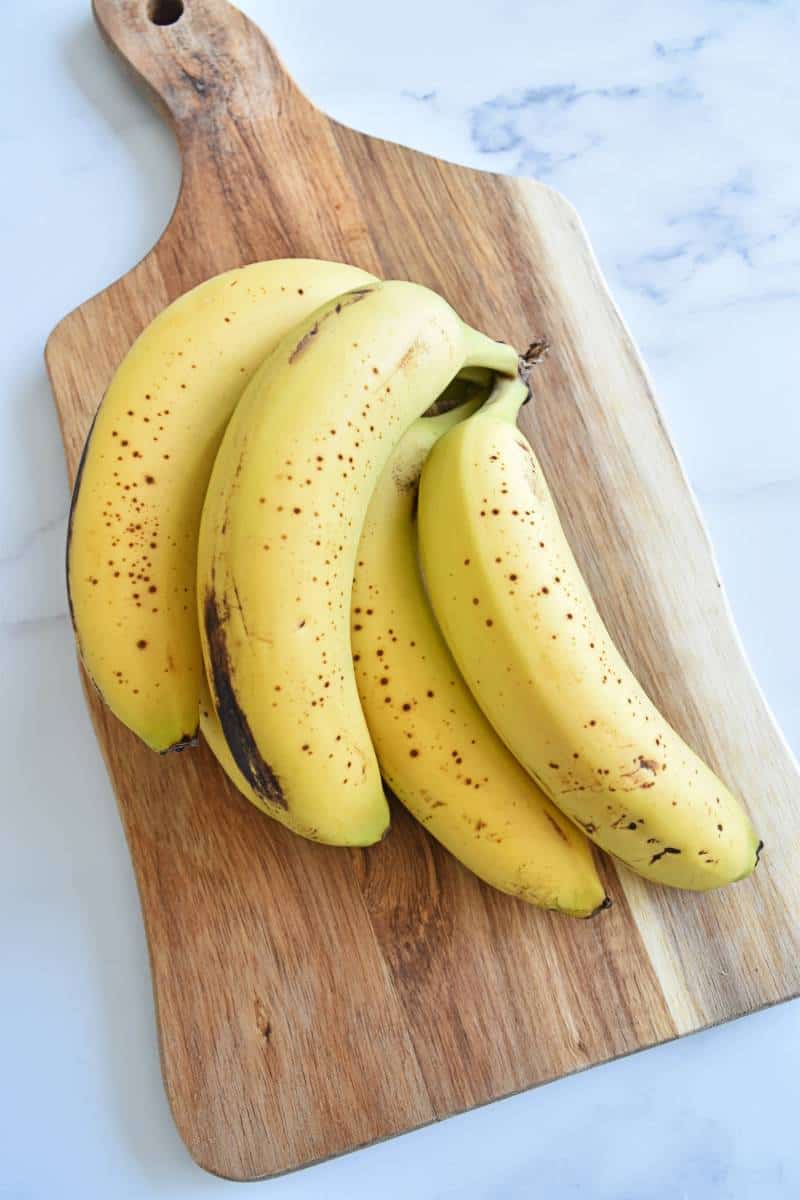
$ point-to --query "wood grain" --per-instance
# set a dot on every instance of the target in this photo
(312, 1000)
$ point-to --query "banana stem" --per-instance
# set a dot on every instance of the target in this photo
(480, 375)
(506, 399)
(481, 351)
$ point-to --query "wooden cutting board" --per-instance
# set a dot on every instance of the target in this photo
(313, 1000)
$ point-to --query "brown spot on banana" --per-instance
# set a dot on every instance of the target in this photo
(661, 853)
(409, 356)
(406, 478)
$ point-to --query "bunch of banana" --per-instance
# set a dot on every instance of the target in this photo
(243, 554)
(278, 539)
(437, 751)
(498, 824)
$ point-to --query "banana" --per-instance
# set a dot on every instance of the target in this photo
(531, 645)
(278, 539)
(131, 551)
(436, 750)
(210, 726)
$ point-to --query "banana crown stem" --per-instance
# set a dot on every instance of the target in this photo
(482, 351)
(506, 399)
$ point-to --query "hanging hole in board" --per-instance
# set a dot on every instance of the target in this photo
(165, 12)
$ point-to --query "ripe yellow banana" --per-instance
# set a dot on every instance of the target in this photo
(530, 643)
(210, 726)
(212, 731)
(436, 750)
(132, 545)
(279, 534)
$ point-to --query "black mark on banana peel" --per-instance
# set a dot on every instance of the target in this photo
(557, 827)
(240, 606)
(304, 342)
(343, 301)
(531, 358)
(405, 477)
(605, 903)
(235, 725)
(661, 853)
(184, 742)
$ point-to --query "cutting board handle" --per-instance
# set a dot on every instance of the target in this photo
(196, 57)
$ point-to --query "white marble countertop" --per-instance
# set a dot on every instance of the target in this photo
(673, 128)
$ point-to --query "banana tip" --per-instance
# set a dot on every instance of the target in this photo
(605, 903)
(183, 743)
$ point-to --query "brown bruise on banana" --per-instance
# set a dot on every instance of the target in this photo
(351, 297)
(648, 758)
(235, 726)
